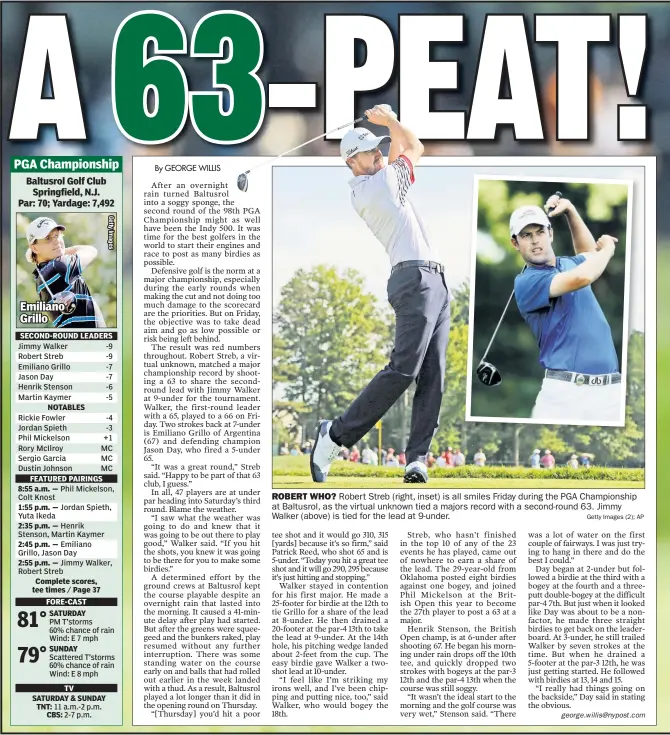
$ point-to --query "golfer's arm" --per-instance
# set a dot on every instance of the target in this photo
(582, 239)
(581, 276)
(87, 253)
(403, 141)
(395, 150)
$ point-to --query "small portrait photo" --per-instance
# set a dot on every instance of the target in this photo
(549, 301)
(66, 267)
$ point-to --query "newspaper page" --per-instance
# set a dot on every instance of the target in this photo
(330, 359)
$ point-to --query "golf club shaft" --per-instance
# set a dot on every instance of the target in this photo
(46, 285)
(509, 301)
(323, 135)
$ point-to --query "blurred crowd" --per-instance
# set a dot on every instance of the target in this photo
(546, 460)
(446, 459)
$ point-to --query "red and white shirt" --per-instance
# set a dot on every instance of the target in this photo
(381, 200)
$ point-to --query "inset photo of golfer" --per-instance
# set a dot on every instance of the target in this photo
(389, 280)
(66, 270)
(549, 301)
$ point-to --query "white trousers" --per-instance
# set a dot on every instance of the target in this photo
(567, 403)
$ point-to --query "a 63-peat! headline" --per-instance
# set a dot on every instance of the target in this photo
(152, 101)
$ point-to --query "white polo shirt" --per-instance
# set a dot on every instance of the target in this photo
(381, 200)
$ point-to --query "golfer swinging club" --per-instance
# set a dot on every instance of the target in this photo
(58, 275)
(417, 291)
(582, 382)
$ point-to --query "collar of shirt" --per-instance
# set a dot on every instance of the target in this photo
(545, 266)
(358, 180)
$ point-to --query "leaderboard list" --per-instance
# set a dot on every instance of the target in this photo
(66, 504)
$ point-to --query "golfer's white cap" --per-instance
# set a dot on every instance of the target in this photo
(358, 140)
(40, 228)
(523, 216)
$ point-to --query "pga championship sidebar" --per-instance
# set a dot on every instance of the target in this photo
(66, 457)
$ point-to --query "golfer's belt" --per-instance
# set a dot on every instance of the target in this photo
(582, 378)
(437, 267)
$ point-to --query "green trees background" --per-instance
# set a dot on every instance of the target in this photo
(330, 337)
(81, 229)
(514, 352)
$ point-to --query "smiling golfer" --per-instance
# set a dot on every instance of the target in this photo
(417, 291)
(582, 382)
(59, 276)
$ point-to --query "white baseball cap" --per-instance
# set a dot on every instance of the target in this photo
(523, 216)
(40, 228)
(358, 140)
